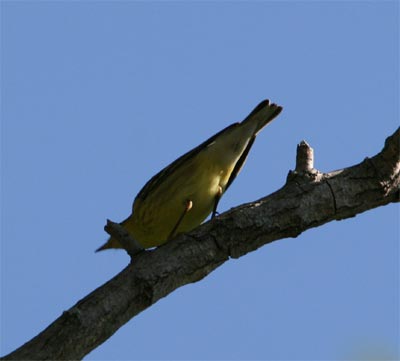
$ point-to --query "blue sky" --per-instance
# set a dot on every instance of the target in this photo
(96, 97)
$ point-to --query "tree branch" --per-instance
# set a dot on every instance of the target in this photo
(308, 199)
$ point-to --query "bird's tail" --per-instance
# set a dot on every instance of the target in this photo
(263, 114)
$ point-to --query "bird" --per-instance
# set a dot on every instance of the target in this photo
(183, 194)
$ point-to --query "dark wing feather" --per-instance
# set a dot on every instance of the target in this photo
(240, 162)
(164, 173)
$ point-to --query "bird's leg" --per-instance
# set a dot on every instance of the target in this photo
(217, 198)
(188, 207)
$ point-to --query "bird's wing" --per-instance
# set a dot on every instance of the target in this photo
(164, 173)
(258, 111)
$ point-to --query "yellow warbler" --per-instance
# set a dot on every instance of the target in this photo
(183, 194)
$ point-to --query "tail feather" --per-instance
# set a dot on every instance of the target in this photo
(263, 114)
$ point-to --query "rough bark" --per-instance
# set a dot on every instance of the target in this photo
(308, 199)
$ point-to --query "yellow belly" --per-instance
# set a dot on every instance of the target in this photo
(155, 217)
